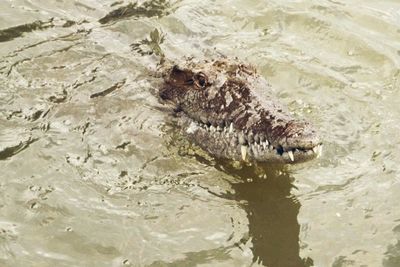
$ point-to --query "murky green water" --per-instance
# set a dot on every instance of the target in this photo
(93, 173)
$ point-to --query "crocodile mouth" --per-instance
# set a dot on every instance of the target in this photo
(226, 141)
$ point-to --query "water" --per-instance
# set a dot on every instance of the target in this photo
(94, 174)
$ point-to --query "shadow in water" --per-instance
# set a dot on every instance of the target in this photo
(272, 213)
(392, 254)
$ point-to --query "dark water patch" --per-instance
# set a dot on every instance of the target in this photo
(29, 114)
(109, 90)
(116, 3)
(123, 145)
(79, 84)
(392, 256)
(60, 97)
(342, 261)
(39, 113)
(78, 160)
(10, 151)
(15, 113)
(84, 6)
(83, 129)
(70, 23)
(157, 8)
(272, 213)
(17, 31)
(150, 45)
(36, 115)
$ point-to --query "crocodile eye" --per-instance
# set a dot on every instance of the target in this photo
(201, 80)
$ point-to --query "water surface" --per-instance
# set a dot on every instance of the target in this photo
(93, 172)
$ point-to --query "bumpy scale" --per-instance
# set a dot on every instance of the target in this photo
(227, 109)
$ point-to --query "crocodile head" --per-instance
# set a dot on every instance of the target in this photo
(227, 109)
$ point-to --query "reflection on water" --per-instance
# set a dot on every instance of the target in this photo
(264, 193)
(272, 213)
(392, 255)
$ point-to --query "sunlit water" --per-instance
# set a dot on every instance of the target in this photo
(92, 172)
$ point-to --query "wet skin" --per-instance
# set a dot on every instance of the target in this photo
(228, 109)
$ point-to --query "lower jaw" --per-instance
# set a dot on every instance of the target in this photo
(254, 154)
(251, 154)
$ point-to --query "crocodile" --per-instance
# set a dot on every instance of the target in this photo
(228, 109)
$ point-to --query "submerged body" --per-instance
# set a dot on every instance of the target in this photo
(227, 109)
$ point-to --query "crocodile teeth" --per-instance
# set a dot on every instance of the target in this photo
(192, 128)
(243, 149)
(318, 150)
(265, 144)
(231, 128)
(291, 156)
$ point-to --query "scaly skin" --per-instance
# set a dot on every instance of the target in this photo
(226, 108)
